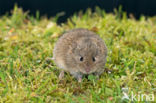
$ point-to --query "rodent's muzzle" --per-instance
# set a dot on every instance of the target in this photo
(87, 69)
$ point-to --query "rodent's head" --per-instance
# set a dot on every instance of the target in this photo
(89, 55)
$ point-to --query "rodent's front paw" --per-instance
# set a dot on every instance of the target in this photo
(61, 75)
(78, 76)
(80, 79)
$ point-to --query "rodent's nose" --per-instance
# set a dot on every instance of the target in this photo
(87, 69)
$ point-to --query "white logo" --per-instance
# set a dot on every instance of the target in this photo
(136, 97)
(142, 97)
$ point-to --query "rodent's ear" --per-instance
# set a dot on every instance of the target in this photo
(101, 46)
(74, 45)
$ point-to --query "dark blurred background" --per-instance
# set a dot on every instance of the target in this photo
(52, 7)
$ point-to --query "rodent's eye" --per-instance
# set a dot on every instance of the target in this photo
(81, 58)
(93, 59)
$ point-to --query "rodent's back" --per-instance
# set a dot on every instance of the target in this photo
(68, 38)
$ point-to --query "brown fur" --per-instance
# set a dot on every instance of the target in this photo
(79, 43)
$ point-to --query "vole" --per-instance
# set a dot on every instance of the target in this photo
(80, 51)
